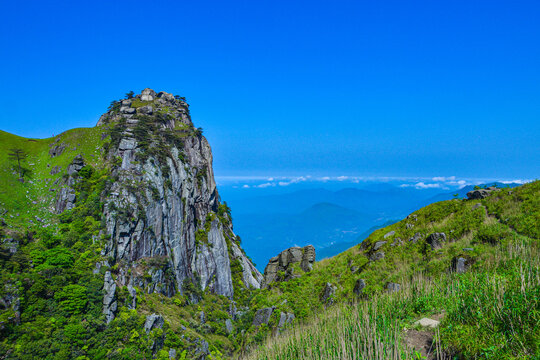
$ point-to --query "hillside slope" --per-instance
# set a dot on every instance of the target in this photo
(473, 263)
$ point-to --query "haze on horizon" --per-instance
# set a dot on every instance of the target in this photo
(291, 88)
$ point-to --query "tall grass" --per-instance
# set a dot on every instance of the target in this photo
(490, 313)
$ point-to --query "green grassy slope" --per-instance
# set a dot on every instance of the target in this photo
(33, 197)
(492, 310)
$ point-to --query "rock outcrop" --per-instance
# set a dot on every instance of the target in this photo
(262, 316)
(280, 268)
(65, 198)
(436, 240)
(166, 228)
(110, 304)
(480, 193)
(327, 295)
(359, 286)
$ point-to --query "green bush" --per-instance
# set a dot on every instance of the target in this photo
(72, 298)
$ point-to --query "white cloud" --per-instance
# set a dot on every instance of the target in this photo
(443, 179)
(516, 181)
(246, 186)
(342, 178)
(265, 185)
(422, 185)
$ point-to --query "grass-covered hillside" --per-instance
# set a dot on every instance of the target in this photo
(24, 200)
(482, 282)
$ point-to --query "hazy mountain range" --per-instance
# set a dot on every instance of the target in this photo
(331, 220)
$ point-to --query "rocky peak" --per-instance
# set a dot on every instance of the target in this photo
(166, 228)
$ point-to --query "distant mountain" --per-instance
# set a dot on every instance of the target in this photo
(322, 224)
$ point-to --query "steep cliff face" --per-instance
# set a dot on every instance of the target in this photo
(165, 226)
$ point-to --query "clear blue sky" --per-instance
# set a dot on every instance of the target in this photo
(394, 88)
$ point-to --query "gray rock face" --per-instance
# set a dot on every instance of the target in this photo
(388, 234)
(359, 286)
(229, 326)
(133, 293)
(285, 260)
(379, 255)
(460, 264)
(327, 296)
(262, 316)
(148, 95)
(110, 304)
(65, 198)
(285, 318)
(202, 350)
(480, 193)
(76, 165)
(163, 207)
(56, 150)
(153, 321)
(378, 245)
(436, 240)
(145, 110)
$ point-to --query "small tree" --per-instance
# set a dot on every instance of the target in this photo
(19, 156)
(129, 95)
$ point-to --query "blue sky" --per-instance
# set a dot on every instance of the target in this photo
(294, 88)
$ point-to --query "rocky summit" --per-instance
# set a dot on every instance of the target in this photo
(164, 204)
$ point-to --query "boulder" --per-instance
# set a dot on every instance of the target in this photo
(172, 353)
(393, 287)
(262, 316)
(76, 165)
(166, 96)
(283, 264)
(284, 319)
(412, 217)
(127, 110)
(359, 286)
(308, 258)
(480, 193)
(148, 95)
(145, 110)
(388, 234)
(152, 322)
(377, 256)
(417, 236)
(436, 240)
(57, 150)
(460, 264)
(378, 245)
(426, 322)
(327, 295)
